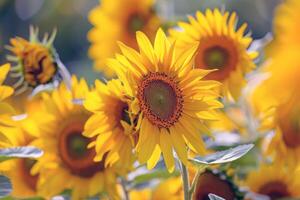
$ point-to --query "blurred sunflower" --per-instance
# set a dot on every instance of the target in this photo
(221, 46)
(173, 102)
(35, 62)
(124, 18)
(286, 29)
(281, 110)
(5, 91)
(25, 183)
(111, 123)
(169, 189)
(68, 163)
(6, 110)
(274, 181)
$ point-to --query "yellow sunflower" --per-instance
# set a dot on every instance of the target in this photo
(111, 123)
(276, 103)
(25, 183)
(5, 91)
(168, 189)
(286, 29)
(124, 18)
(5, 109)
(67, 162)
(222, 46)
(275, 181)
(173, 102)
(35, 62)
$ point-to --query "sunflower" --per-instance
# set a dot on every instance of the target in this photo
(124, 18)
(168, 189)
(275, 181)
(25, 183)
(172, 101)
(6, 110)
(35, 61)
(280, 110)
(66, 154)
(5, 91)
(286, 20)
(110, 123)
(222, 46)
(144, 194)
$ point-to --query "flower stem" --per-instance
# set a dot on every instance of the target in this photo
(185, 181)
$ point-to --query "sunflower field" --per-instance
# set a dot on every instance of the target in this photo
(149, 100)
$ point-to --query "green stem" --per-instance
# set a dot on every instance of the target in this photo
(185, 181)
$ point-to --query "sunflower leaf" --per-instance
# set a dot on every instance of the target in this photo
(5, 186)
(214, 197)
(20, 152)
(225, 156)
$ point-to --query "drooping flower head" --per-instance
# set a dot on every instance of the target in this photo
(172, 100)
(124, 18)
(35, 60)
(111, 123)
(222, 46)
(218, 183)
(68, 163)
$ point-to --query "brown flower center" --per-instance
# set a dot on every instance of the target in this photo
(160, 99)
(289, 124)
(211, 183)
(74, 152)
(275, 190)
(136, 22)
(31, 180)
(217, 53)
(38, 65)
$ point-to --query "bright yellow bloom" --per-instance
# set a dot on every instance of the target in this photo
(67, 162)
(275, 181)
(276, 103)
(35, 63)
(221, 46)
(144, 194)
(173, 102)
(169, 189)
(5, 91)
(5, 109)
(286, 29)
(110, 124)
(25, 184)
(124, 18)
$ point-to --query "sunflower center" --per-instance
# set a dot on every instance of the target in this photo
(215, 57)
(217, 52)
(31, 180)
(74, 152)
(38, 66)
(211, 183)
(160, 99)
(77, 145)
(136, 22)
(275, 190)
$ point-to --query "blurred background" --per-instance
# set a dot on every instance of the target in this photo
(71, 19)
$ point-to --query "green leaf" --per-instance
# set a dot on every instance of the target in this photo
(225, 156)
(20, 152)
(214, 197)
(5, 186)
